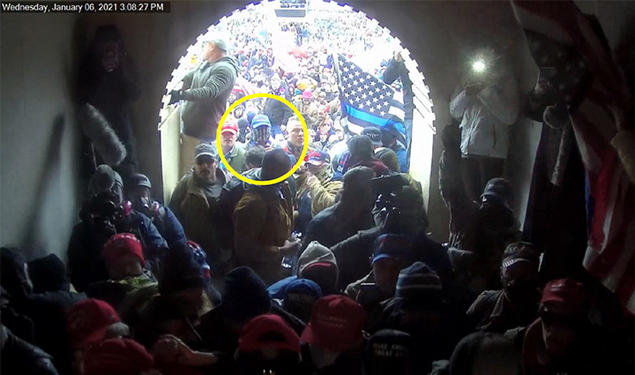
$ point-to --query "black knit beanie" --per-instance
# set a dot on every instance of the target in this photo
(245, 295)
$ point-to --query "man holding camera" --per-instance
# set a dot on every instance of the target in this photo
(399, 210)
(351, 214)
(487, 106)
(103, 215)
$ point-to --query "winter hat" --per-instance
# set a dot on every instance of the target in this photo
(260, 120)
(319, 264)
(242, 124)
(374, 134)
(499, 191)
(388, 157)
(336, 323)
(570, 295)
(315, 252)
(48, 274)
(117, 356)
(88, 321)
(388, 351)
(307, 94)
(419, 284)
(356, 178)
(181, 271)
(105, 180)
(520, 252)
(522, 249)
(14, 278)
(275, 163)
(392, 246)
(121, 244)
(481, 351)
(361, 147)
(245, 294)
(268, 331)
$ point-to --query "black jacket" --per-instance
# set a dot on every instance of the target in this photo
(20, 357)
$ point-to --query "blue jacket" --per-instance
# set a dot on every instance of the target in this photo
(167, 224)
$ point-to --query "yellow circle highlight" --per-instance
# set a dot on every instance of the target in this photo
(275, 180)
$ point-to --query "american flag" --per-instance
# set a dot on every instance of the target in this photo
(366, 100)
(595, 92)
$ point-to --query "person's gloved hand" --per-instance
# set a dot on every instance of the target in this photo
(175, 96)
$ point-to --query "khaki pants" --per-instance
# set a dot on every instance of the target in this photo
(188, 144)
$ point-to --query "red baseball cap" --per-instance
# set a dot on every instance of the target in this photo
(117, 356)
(121, 244)
(87, 321)
(336, 323)
(567, 293)
(318, 158)
(229, 127)
(268, 331)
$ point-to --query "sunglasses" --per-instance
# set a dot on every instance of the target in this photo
(205, 160)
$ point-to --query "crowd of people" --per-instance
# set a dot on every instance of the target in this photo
(232, 278)
(331, 271)
(301, 71)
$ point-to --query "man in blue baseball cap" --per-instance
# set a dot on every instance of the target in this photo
(261, 134)
(391, 253)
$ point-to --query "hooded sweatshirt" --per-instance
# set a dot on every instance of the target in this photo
(208, 88)
(318, 253)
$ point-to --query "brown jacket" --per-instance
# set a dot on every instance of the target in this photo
(263, 220)
(195, 204)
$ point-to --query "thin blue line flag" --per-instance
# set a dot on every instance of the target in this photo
(366, 100)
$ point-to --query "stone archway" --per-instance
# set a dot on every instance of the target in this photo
(423, 115)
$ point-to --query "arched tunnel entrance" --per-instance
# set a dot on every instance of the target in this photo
(297, 43)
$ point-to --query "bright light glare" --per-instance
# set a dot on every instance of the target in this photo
(479, 66)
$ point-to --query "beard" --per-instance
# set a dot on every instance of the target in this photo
(206, 176)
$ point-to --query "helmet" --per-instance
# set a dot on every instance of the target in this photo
(138, 179)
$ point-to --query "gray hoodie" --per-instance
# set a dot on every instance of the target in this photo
(314, 253)
(206, 91)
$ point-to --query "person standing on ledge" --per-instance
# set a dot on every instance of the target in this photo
(205, 92)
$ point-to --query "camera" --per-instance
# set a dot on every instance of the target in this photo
(385, 212)
(385, 187)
